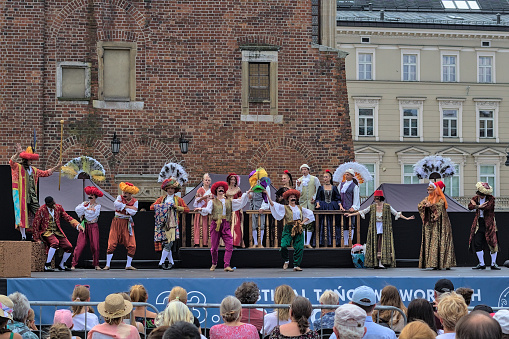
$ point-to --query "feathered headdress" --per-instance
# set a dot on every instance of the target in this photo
(84, 168)
(429, 165)
(173, 170)
(361, 172)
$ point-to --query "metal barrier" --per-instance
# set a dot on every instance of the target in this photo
(56, 304)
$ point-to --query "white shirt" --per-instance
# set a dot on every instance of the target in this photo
(51, 211)
(169, 199)
(278, 212)
(271, 320)
(119, 206)
(90, 214)
(237, 204)
(79, 321)
(305, 179)
(481, 212)
(446, 336)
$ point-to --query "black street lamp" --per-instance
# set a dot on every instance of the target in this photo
(115, 144)
(507, 160)
(184, 144)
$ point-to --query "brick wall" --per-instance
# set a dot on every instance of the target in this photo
(188, 74)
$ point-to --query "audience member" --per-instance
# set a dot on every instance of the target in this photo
(129, 319)
(180, 294)
(502, 317)
(83, 314)
(284, 295)
(248, 293)
(441, 286)
(298, 328)
(64, 317)
(466, 293)
(6, 315)
(182, 330)
(113, 309)
(60, 330)
(451, 308)
(31, 320)
(478, 325)
(233, 327)
(175, 311)
(417, 329)
(390, 297)
(327, 315)
(139, 294)
(484, 308)
(421, 309)
(158, 332)
(19, 316)
(349, 322)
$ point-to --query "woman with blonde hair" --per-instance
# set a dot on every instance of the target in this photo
(231, 311)
(284, 295)
(201, 223)
(139, 294)
(82, 315)
(326, 320)
(390, 297)
(59, 331)
(417, 330)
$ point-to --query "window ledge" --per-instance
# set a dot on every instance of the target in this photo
(277, 119)
(74, 100)
(130, 105)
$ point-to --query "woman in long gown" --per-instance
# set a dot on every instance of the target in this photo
(201, 223)
(234, 192)
(327, 199)
(437, 248)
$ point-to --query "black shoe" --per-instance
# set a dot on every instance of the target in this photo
(495, 267)
(479, 267)
(47, 268)
(169, 266)
(162, 267)
(63, 269)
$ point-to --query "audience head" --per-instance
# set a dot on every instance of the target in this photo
(178, 293)
(466, 293)
(502, 317)
(284, 294)
(21, 306)
(300, 311)
(5, 311)
(174, 311)
(114, 308)
(417, 330)
(329, 297)
(138, 294)
(59, 331)
(230, 309)
(421, 309)
(478, 325)
(247, 293)
(349, 322)
(443, 286)
(158, 332)
(484, 308)
(182, 330)
(80, 293)
(390, 297)
(365, 298)
(63, 317)
(451, 308)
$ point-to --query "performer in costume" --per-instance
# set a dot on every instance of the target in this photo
(89, 212)
(295, 216)
(24, 186)
(287, 180)
(203, 195)
(380, 242)
(47, 230)
(350, 199)
(166, 231)
(308, 185)
(257, 202)
(221, 208)
(483, 233)
(437, 248)
(122, 226)
(327, 199)
(234, 192)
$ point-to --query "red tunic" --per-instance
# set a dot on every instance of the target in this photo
(42, 217)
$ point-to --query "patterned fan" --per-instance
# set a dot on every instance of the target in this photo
(361, 172)
(174, 170)
(434, 164)
(84, 168)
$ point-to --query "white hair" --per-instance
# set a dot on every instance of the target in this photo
(329, 297)
(348, 332)
(21, 306)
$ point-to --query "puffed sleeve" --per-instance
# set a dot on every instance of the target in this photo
(80, 209)
(207, 209)
(277, 210)
(395, 213)
(308, 214)
(237, 204)
(92, 215)
(365, 211)
(131, 211)
(119, 206)
(356, 198)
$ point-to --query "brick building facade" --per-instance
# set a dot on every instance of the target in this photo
(153, 70)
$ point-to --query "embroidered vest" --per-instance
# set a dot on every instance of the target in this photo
(217, 210)
(347, 197)
(289, 214)
(308, 191)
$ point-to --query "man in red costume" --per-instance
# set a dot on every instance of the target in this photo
(47, 229)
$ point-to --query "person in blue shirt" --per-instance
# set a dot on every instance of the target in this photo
(326, 319)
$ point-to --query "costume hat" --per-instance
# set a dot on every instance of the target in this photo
(378, 193)
(29, 154)
(233, 175)
(216, 185)
(93, 190)
(114, 306)
(170, 183)
(128, 188)
(6, 306)
(287, 194)
(304, 166)
(484, 188)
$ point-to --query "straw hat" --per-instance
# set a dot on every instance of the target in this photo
(6, 306)
(114, 306)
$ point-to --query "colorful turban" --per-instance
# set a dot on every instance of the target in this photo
(93, 190)
(170, 183)
(29, 154)
(128, 188)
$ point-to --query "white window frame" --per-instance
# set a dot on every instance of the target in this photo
(411, 103)
(490, 157)
(493, 68)
(496, 175)
(374, 174)
(85, 65)
(457, 70)
(410, 156)
(370, 155)
(487, 104)
(459, 157)
(403, 173)
(418, 64)
(365, 51)
(447, 103)
(459, 176)
(366, 102)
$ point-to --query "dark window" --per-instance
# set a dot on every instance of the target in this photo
(259, 81)
(315, 16)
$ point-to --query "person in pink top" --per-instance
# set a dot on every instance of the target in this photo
(233, 328)
(201, 222)
(113, 309)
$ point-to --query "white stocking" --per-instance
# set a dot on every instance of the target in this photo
(170, 258)
(345, 237)
(255, 237)
(261, 236)
(23, 234)
(129, 260)
(480, 255)
(51, 253)
(493, 258)
(64, 259)
(308, 237)
(108, 259)
(164, 255)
